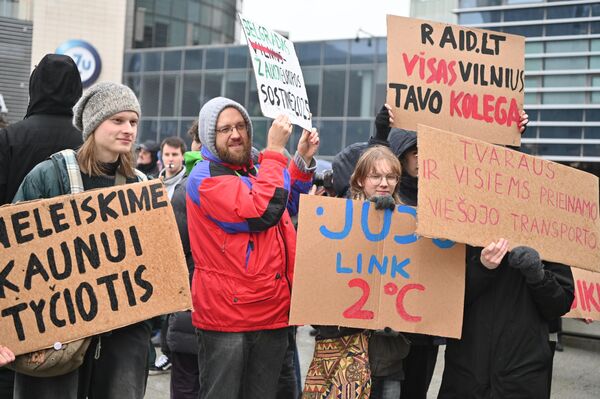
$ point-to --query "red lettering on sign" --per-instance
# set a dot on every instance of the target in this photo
(356, 311)
(400, 302)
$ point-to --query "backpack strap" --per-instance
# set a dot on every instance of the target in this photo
(73, 171)
(140, 176)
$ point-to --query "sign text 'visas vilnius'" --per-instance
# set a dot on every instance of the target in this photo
(474, 192)
(82, 264)
(279, 80)
(361, 267)
(468, 81)
(587, 295)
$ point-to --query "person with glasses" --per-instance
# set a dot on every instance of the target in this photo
(351, 362)
(243, 244)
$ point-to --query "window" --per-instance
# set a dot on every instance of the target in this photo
(237, 57)
(362, 52)
(170, 96)
(331, 133)
(563, 98)
(357, 131)
(312, 81)
(591, 150)
(148, 130)
(573, 28)
(334, 91)
(167, 128)
(593, 115)
(592, 132)
(573, 150)
(534, 81)
(212, 86)
(193, 59)
(534, 47)
(308, 53)
(382, 50)
(576, 11)
(150, 91)
(215, 58)
(565, 81)
(152, 61)
(336, 52)
(190, 101)
(566, 115)
(235, 87)
(172, 60)
(567, 46)
(528, 31)
(524, 14)
(533, 64)
(260, 126)
(481, 17)
(566, 63)
(132, 62)
(595, 62)
(360, 92)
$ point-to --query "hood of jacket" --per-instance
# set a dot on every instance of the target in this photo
(401, 141)
(54, 86)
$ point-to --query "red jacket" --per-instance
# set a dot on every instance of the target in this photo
(243, 241)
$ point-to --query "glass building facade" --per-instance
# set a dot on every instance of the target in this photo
(162, 23)
(562, 69)
(345, 82)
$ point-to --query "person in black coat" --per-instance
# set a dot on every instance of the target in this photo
(54, 88)
(504, 351)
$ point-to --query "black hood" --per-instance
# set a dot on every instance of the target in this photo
(54, 86)
(401, 141)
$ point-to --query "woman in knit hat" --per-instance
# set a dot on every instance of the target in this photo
(114, 364)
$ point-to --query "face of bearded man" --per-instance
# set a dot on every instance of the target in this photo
(232, 141)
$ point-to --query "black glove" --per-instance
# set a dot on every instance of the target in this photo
(528, 261)
(382, 125)
(383, 202)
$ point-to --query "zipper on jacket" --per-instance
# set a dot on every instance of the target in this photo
(249, 250)
(285, 252)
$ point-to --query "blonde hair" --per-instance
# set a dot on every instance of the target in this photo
(89, 163)
(366, 164)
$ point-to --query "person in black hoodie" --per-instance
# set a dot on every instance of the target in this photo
(54, 88)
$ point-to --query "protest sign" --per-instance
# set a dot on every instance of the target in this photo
(82, 264)
(587, 295)
(279, 80)
(474, 192)
(468, 81)
(360, 267)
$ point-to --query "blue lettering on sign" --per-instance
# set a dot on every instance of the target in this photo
(364, 222)
(376, 265)
(340, 235)
(408, 238)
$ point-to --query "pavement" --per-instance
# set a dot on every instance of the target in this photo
(576, 372)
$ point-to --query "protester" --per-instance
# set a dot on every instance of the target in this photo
(147, 158)
(243, 243)
(114, 366)
(181, 336)
(503, 351)
(171, 154)
(54, 87)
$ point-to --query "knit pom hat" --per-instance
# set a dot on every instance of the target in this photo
(100, 102)
(207, 121)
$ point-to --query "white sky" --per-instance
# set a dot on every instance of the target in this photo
(324, 19)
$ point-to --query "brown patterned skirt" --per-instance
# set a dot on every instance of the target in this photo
(339, 369)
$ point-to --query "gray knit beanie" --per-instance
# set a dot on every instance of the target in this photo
(100, 102)
(207, 121)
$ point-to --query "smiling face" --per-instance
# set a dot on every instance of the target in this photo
(232, 141)
(381, 180)
(116, 136)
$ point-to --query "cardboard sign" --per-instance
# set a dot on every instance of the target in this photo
(468, 81)
(474, 192)
(360, 267)
(79, 265)
(279, 80)
(587, 295)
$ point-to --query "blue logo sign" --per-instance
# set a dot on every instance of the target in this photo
(85, 56)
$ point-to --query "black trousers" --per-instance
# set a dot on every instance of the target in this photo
(418, 371)
(7, 383)
(185, 377)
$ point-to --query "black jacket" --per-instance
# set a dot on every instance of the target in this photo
(54, 88)
(181, 335)
(504, 351)
(400, 142)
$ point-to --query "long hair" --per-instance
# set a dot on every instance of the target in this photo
(366, 165)
(89, 163)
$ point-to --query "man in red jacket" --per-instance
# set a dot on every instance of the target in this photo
(243, 243)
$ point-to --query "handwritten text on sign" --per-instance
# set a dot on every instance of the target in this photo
(468, 81)
(279, 80)
(587, 295)
(78, 265)
(360, 267)
(475, 192)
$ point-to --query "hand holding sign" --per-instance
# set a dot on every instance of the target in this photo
(492, 255)
(308, 145)
(523, 122)
(6, 356)
(279, 134)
